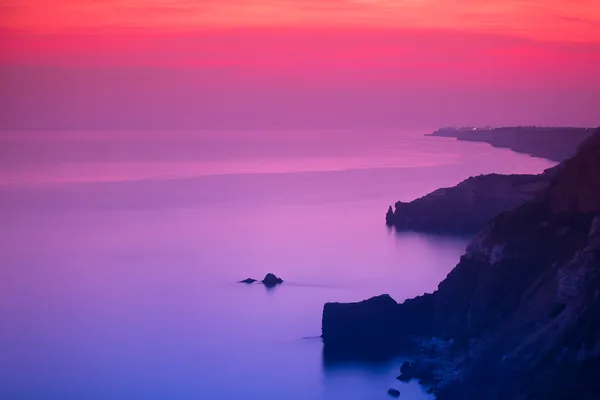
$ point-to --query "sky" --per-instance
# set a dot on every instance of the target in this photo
(302, 63)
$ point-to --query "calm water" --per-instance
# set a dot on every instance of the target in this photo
(119, 253)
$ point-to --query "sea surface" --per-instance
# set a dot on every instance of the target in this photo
(120, 253)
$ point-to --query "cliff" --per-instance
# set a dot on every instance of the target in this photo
(554, 143)
(519, 316)
(468, 206)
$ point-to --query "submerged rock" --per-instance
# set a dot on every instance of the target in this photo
(394, 392)
(248, 280)
(271, 280)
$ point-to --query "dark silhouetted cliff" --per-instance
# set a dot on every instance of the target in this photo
(519, 316)
(554, 143)
(468, 206)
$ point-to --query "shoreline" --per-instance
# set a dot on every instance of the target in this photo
(526, 291)
(552, 143)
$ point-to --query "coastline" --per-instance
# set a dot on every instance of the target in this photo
(525, 292)
(468, 206)
(552, 143)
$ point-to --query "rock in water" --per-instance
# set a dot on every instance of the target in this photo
(249, 280)
(389, 217)
(406, 372)
(271, 280)
(364, 331)
(394, 392)
(406, 368)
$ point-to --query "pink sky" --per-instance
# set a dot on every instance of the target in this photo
(249, 63)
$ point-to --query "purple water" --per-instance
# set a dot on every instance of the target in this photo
(120, 252)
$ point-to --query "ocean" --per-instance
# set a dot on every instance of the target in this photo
(120, 253)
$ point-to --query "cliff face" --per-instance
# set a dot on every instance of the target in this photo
(469, 206)
(520, 314)
(574, 190)
(529, 314)
(524, 299)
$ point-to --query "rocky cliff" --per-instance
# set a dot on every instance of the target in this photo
(468, 206)
(519, 316)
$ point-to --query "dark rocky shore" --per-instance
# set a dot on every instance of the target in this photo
(518, 318)
(468, 206)
(553, 143)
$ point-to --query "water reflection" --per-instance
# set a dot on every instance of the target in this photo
(376, 376)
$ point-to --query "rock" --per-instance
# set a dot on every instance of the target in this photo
(394, 392)
(389, 216)
(374, 329)
(432, 390)
(406, 372)
(406, 368)
(271, 280)
(360, 331)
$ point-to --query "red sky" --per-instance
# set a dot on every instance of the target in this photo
(538, 19)
(213, 63)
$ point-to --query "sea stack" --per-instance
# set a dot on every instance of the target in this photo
(271, 280)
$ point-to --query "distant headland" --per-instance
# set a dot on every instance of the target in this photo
(467, 207)
(553, 143)
(470, 205)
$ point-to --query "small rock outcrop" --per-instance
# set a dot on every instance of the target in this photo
(271, 280)
(389, 216)
(406, 372)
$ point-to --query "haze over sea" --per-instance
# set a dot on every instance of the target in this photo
(120, 253)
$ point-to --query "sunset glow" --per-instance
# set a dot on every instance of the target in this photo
(390, 62)
(538, 19)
